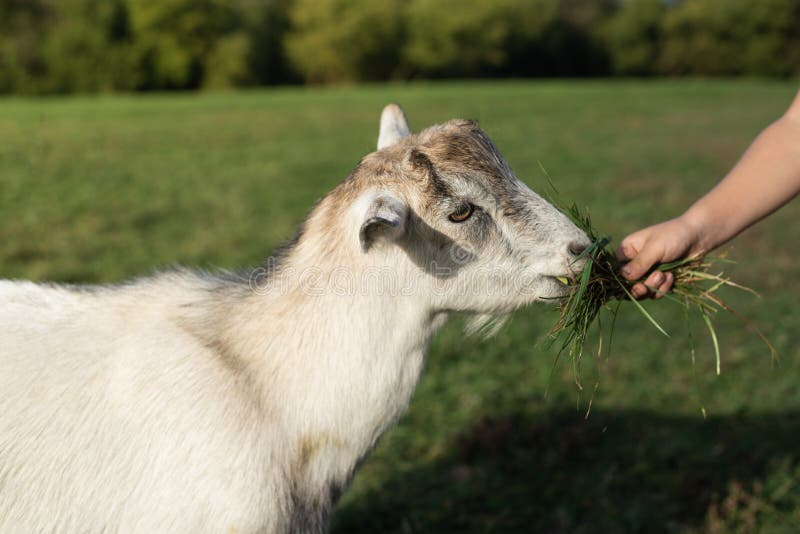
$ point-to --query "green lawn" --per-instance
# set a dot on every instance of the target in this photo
(101, 189)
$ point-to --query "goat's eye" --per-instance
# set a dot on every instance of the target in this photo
(462, 213)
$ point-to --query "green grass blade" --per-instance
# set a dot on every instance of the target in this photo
(713, 333)
(585, 275)
(693, 354)
(669, 266)
(611, 330)
(641, 308)
(722, 281)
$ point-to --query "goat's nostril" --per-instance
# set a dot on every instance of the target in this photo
(576, 248)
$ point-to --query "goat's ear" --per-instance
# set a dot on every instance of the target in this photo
(394, 126)
(384, 218)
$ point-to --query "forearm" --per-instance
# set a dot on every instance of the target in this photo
(767, 177)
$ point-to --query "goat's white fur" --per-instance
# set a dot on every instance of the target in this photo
(190, 403)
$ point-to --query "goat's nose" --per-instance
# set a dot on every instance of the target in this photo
(576, 248)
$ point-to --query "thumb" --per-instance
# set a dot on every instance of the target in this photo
(642, 262)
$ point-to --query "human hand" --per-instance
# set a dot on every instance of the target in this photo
(668, 241)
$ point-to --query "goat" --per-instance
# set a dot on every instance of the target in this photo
(191, 402)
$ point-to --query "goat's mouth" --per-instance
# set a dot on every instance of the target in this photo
(563, 280)
(561, 286)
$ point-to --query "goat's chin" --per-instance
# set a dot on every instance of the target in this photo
(485, 324)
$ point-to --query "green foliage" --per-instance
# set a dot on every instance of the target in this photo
(175, 37)
(89, 50)
(22, 23)
(345, 40)
(505, 38)
(732, 37)
(633, 36)
(470, 38)
(227, 64)
(572, 44)
(267, 24)
(120, 45)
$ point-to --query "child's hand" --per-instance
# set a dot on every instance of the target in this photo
(766, 178)
(669, 241)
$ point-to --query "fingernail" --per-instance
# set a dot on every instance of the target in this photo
(658, 278)
(626, 270)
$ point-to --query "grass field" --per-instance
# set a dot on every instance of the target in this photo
(101, 189)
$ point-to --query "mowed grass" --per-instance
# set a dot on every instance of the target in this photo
(103, 189)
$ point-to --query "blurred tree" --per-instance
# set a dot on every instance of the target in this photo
(527, 46)
(771, 29)
(88, 45)
(470, 38)
(506, 37)
(22, 24)
(226, 65)
(173, 39)
(345, 40)
(89, 48)
(633, 36)
(268, 24)
(698, 38)
(732, 37)
(572, 44)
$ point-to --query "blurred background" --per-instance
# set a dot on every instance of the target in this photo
(137, 134)
(63, 46)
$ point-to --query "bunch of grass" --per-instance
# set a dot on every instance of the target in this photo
(598, 286)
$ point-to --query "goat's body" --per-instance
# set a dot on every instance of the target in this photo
(126, 407)
(190, 403)
(113, 415)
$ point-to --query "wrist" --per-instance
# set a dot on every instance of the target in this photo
(701, 231)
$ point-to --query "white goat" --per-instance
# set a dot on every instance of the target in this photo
(186, 402)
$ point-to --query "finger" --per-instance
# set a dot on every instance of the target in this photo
(665, 287)
(652, 283)
(638, 266)
(639, 291)
(670, 280)
(626, 249)
(655, 279)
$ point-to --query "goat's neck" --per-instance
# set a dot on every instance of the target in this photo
(339, 361)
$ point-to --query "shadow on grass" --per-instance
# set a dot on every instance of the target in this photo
(620, 471)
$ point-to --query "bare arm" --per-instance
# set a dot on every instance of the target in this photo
(765, 178)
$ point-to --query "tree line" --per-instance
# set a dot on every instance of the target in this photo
(64, 46)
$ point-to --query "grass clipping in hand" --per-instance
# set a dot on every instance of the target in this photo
(599, 284)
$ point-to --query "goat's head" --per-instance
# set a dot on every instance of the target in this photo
(445, 204)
